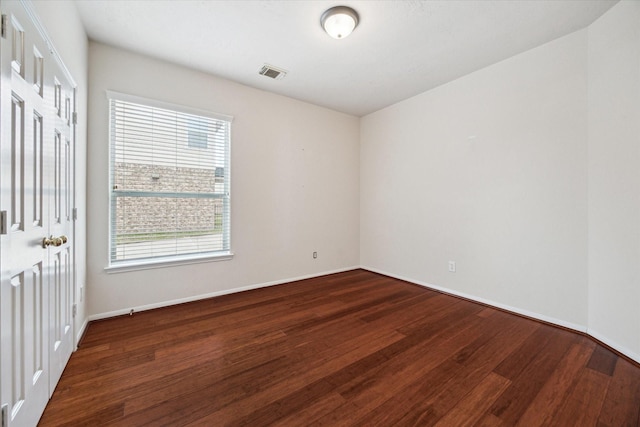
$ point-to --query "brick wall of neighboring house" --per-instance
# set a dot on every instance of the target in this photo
(158, 214)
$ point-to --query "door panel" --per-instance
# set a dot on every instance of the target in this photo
(36, 189)
(60, 223)
(24, 293)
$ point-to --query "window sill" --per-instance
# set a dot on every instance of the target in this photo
(161, 263)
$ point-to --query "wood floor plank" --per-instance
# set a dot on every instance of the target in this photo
(603, 360)
(367, 392)
(517, 361)
(622, 404)
(318, 409)
(403, 390)
(470, 409)
(430, 398)
(487, 312)
(230, 396)
(392, 309)
(489, 420)
(525, 386)
(347, 349)
(583, 405)
(542, 409)
(352, 372)
(70, 416)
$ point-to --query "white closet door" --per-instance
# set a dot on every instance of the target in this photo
(36, 183)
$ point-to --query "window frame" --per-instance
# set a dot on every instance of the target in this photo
(114, 266)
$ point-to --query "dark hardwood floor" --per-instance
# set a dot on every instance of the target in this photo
(354, 348)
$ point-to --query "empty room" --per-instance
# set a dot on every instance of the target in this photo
(320, 213)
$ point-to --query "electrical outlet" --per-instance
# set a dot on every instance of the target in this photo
(315, 255)
(452, 266)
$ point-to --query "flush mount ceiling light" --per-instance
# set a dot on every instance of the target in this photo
(339, 21)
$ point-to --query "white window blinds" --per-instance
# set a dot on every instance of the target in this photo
(170, 189)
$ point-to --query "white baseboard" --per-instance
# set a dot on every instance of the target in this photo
(212, 294)
(579, 328)
(527, 313)
(80, 332)
(614, 345)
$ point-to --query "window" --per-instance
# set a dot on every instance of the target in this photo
(198, 133)
(170, 194)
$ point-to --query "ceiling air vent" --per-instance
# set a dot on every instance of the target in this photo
(273, 72)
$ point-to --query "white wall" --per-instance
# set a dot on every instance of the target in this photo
(62, 23)
(294, 179)
(614, 178)
(489, 171)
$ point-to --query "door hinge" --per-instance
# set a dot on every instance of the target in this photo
(74, 311)
(5, 415)
(3, 222)
(74, 118)
(3, 26)
(74, 214)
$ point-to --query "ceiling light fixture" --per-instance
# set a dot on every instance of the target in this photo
(339, 21)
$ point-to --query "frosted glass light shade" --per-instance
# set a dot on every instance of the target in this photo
(339, 21)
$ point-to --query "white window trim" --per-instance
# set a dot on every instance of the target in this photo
(147, 264)
(123, 267)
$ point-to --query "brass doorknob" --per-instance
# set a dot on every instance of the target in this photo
(55, 241)
(47, 241)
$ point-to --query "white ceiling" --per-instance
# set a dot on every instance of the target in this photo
(399, 49)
